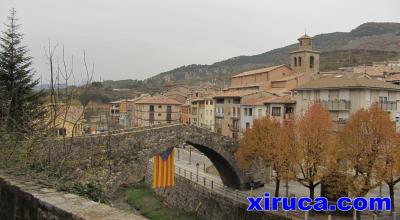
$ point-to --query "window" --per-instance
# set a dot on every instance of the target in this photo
(248, 111)
(383, 99)
(312, 62)
(247, 124)
(295, 61)
(289, 110)
(211, 102)
(152, 108)
(276, 111)
(299, 61)
(61, 131)
(159, 114)
(234, 111)
(159, 106)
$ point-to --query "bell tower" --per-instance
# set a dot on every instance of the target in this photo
(305, 60)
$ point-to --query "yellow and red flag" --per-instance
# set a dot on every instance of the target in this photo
(164, 169)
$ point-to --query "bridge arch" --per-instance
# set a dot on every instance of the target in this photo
(219, 149)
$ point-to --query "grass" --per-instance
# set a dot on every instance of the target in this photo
(151, 205)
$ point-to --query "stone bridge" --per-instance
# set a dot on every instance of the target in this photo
(122, 157)
(219, 149)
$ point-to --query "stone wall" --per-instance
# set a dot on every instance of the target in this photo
(207, 204)
(21, 199)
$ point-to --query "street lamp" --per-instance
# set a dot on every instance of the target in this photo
(197, 173)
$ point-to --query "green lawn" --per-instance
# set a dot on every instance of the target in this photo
(150, 205)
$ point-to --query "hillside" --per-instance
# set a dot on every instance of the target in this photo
(364, 44)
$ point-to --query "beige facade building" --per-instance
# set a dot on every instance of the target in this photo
(278, 108)
(153, 110)
(202, 112)
(342, 95)
(228, 110)
(196, 113)
(209, 113)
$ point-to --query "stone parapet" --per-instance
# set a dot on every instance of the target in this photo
(21, 199)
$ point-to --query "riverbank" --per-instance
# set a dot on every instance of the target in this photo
(144, 200)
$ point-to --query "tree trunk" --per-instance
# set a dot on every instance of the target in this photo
(391, 193)
(312, 191)
(358, 215)
(277, 184)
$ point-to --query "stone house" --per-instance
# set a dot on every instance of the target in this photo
(153, 110)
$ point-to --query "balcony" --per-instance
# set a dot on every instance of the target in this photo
(235, 116)
(219, 114)
(387, 105)
(336, 105)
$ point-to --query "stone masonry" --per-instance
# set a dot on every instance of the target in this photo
(121, 158)
(21, 199)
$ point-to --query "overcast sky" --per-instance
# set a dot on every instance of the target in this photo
(132, 39)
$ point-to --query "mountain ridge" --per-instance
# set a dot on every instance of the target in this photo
(381, 38)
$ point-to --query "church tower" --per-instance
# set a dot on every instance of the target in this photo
(305, 60)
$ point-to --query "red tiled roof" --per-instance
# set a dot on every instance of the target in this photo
(158, 100)
(287, 99)
(238, 93)
(257, 71)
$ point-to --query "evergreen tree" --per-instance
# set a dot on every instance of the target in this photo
(22, 107)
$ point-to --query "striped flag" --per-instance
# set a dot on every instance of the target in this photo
(164, 170)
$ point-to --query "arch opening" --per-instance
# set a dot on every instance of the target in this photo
(227, 173)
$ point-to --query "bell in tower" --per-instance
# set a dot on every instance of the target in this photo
(305, 60)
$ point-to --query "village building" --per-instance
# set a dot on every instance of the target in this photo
(66, 120)
(343, 95)
(116, 107)
(185, 119)
(228, 113)
(278, 108)
(153, 110)
(179, 93)
(209, 113)
(304, 66)
(378, 71)
(196, 113)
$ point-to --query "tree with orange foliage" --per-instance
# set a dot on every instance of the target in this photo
(388, 169)
(368, 144)
(315, 147)
(269, 141)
